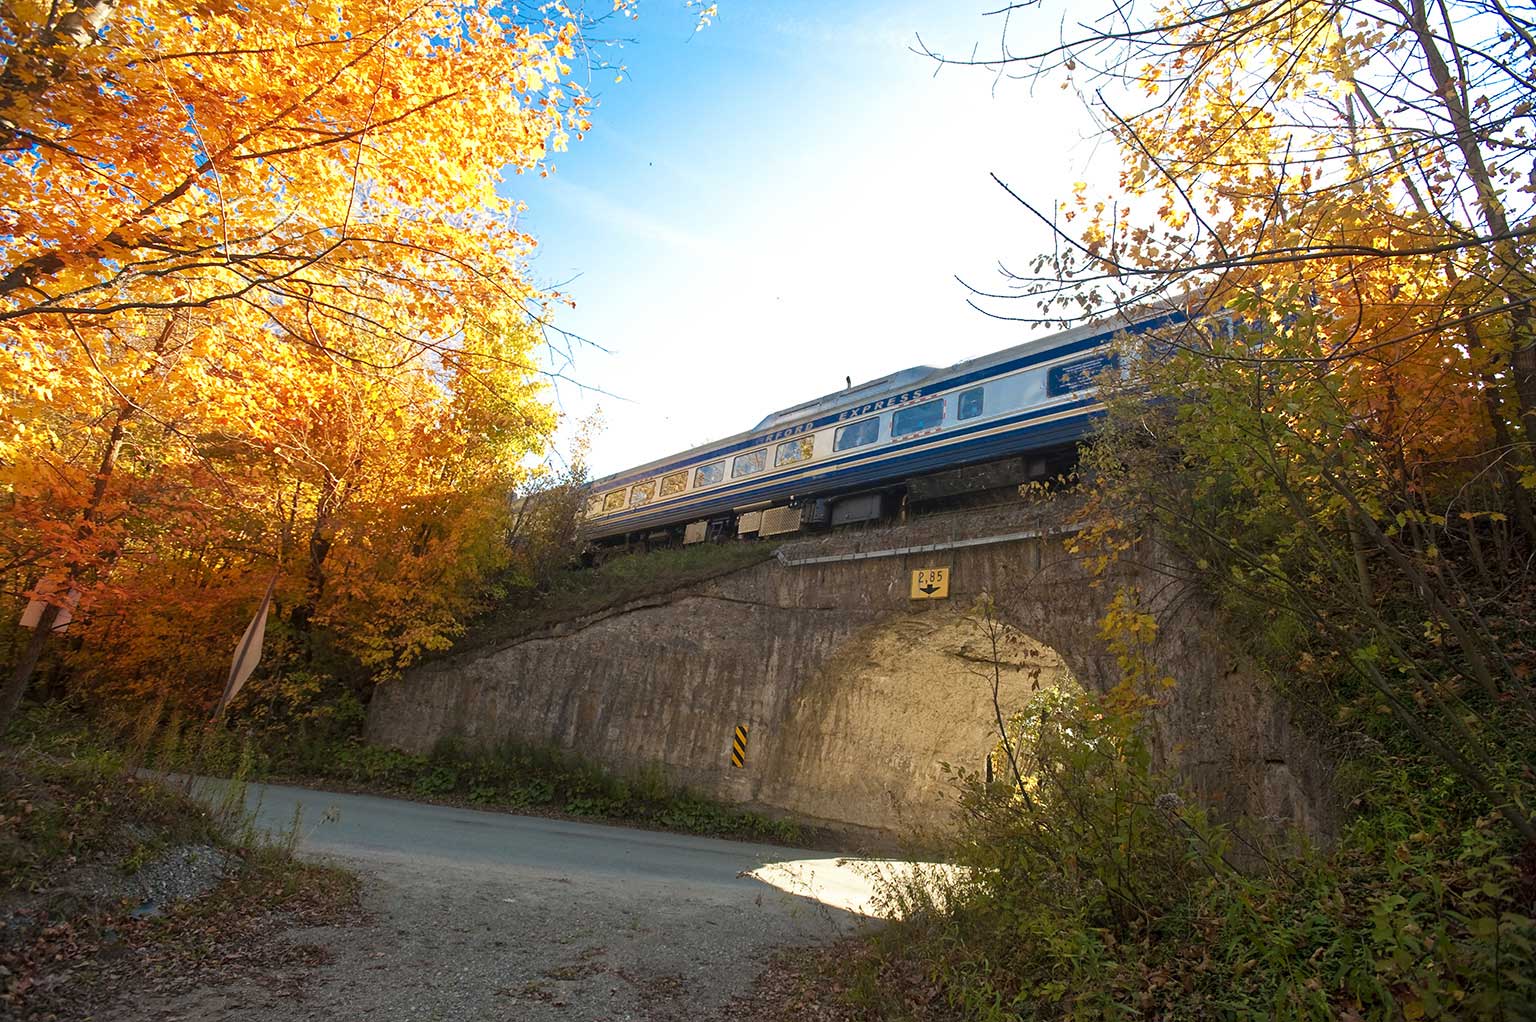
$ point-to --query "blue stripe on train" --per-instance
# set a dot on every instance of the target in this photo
(817, 475)
(864, 467)
(923, 457)
(959, 380)
(817, 472)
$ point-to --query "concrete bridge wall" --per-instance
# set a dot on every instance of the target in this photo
(855, 695)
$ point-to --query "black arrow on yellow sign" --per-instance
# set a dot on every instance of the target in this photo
(930, 589)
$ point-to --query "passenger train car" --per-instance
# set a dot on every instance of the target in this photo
(834, 460)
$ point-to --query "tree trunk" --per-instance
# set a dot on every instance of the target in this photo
(33, 70)
(1505, 253)
(320, 541)
(16, 687)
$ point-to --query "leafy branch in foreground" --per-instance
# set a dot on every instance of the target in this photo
(1371, 159)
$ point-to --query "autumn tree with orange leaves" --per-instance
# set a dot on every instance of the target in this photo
(263, 310)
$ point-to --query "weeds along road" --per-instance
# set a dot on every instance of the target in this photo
(487, 916)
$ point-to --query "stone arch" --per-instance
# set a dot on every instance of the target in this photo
(876, 737)
(1222, 728)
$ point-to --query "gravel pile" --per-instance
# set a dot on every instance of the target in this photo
(180, 873)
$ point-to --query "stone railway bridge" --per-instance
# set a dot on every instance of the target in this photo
(854, 694)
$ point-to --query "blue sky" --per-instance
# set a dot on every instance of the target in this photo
(784, 199)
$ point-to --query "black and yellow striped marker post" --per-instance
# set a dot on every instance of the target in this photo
(739, 747)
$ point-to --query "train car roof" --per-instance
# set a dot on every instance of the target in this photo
(902, 380)
(847, 396)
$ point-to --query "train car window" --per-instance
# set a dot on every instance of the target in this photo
(708, 475)
(970, 403)
(856, 434)
(749, 464)
(594, 507)
(918, 418)
(641, 493)
(797, 449)
(677, 482)
(614, 501)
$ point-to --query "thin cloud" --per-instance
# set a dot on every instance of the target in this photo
(612, 215)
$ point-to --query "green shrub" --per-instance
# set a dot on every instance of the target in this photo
(1091, 888)
(531, 794)
(436, 780)
(534, 777)
(591, 807)
(513, 775)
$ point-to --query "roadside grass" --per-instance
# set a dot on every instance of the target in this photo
(538, 780)
(522, 778)
(60, 813)
(79, 833)
(576, 592)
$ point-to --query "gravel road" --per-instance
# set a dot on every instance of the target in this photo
(488, 916)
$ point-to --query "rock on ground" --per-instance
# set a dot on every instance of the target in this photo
(179, 874)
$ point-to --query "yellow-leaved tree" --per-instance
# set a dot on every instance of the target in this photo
(263, 309)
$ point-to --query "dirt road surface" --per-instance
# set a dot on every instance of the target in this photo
(482, 916)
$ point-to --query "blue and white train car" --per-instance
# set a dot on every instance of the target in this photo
(1036, 396)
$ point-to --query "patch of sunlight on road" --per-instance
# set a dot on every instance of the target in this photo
(877, 888)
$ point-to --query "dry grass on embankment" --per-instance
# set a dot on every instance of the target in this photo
(616, 581)
(111, 884)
